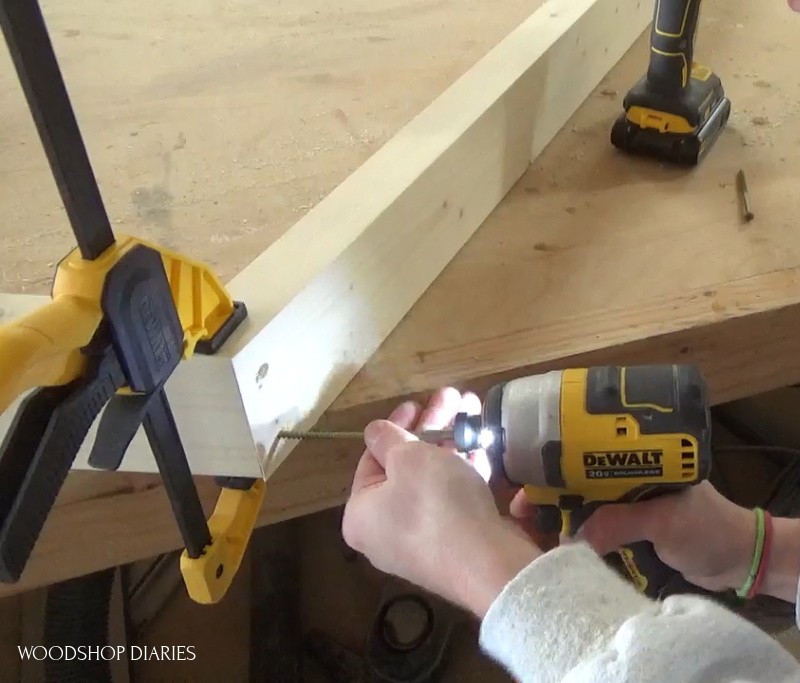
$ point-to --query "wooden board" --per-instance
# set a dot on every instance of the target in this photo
(343, 277)
(325, 295)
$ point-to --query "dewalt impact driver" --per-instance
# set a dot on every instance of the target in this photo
(678, 109)
(580, 438)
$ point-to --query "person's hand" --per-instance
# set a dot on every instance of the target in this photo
(528, 517)
(424, 514)
(795, 5)
(698, 531)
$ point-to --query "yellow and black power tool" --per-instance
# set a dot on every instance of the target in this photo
(580, 438)
(678, 109)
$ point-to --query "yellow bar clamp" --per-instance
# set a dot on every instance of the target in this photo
(44, 348)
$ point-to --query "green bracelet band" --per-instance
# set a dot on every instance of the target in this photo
(759, 549)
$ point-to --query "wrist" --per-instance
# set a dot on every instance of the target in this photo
(499, 556)
(783, 563)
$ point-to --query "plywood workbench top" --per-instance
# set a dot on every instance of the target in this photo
(214, 128)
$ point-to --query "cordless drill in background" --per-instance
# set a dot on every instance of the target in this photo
(580, 438)
(678, 109)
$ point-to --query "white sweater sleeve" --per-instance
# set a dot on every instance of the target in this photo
(567, 617)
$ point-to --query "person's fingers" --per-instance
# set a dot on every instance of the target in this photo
(441, 409)
(526, 516)
(480, 463)
(521, 507)
(381, 436)
(470, 403)
(795, 5)
(612, 526)
(405, 415)
(369, 471)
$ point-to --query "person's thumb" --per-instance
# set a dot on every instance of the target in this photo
(612, 526)
(381, 436)
(795, 5)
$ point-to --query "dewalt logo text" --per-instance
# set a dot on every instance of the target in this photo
(622, 459)
(623, 464)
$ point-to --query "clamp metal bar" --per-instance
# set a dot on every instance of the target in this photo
(32, 53)
(159, 425)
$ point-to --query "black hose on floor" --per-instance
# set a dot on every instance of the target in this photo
(77, 614)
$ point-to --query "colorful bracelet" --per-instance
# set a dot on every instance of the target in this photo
(746, 590)
(762, 569)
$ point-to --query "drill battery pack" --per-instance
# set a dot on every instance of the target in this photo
(678, 128)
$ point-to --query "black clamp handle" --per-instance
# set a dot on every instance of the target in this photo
(38, 452)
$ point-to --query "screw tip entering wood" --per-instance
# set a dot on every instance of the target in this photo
(744, 197)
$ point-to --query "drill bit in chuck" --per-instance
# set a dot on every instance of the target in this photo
(467, 434)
